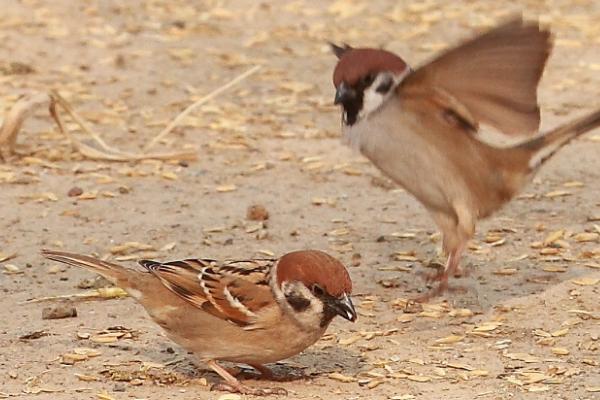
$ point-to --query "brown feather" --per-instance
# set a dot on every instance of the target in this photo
(494, 75)
(181, 277)
(217, 289)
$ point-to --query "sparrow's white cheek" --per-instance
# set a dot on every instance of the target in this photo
(372, 100)
(380, 91)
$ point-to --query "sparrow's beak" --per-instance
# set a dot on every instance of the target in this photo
(343, 307)
(343, 94)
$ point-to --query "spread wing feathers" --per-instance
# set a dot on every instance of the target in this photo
(492, 78)
(234, 290)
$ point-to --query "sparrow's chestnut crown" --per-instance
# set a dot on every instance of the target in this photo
(315, 269)
(355, 65)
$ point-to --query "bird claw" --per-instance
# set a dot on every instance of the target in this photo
(242, 389)
(440, 275)
(439, 290)
(435, 292)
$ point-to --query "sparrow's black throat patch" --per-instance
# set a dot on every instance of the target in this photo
(352, 107)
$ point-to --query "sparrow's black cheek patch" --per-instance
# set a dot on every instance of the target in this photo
(298, 303)
(384, 87)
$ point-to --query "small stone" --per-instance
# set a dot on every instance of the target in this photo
(120, 61)
(257, 212)
(75, 191)
(59, 311)
(54, 269)
(119, 387)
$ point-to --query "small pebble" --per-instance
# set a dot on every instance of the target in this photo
(75, 191)
(59, 311)
(119, 387)
(257, 212)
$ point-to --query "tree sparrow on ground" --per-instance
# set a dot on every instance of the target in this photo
(248, 311)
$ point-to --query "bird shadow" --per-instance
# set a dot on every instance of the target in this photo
(310, 364)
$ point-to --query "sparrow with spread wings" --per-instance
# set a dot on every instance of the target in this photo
(420, 127)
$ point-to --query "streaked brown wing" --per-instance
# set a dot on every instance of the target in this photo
(181, 277)
(233, 291)
(491, 78)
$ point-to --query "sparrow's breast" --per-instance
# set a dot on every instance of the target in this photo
(209, 337)
(394, 144)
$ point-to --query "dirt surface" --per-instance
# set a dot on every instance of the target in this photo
(527, 326)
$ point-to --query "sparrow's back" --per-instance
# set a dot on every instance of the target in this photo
(440, 169)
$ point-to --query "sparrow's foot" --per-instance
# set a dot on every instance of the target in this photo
(268, 375)
(437, 276)
(232, 385)
(441, 272)
(439, 290)
(243, 389)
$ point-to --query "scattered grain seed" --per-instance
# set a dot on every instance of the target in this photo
(350, 340)
(560, 351)
(226, 188)
(553, 236)
(461, 313)
(230, 396)
(587, 237)
(586, 281)
(560, 332)
(506, 271)
(86, 378)
(336, 376)
(450, 339)
(11, 269)
(558, 193)
(418, 378)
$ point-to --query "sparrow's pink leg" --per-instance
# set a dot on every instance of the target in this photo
(457, 228)
(232, 385)
(452, 267)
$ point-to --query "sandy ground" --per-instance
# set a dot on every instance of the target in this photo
(527, 326)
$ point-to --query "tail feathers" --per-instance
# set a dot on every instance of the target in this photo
(112, 272)
(544, 147)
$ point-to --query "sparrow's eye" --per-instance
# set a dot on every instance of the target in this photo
(368, 79)
(317, 290)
